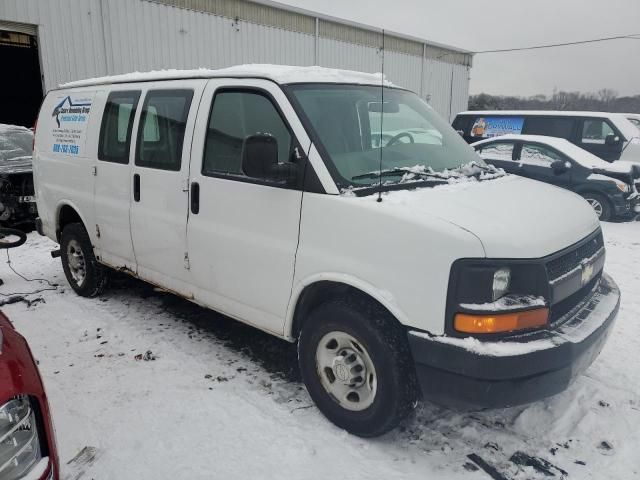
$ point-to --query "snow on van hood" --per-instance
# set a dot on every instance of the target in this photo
(513, 217)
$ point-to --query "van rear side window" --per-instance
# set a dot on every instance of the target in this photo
(161, 130)
(117, 123)
(550, 127)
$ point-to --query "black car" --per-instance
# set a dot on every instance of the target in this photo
(17, 197)
(611, 189)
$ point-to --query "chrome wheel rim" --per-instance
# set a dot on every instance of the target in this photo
(76, 261)
(346, 371)
(596, 205)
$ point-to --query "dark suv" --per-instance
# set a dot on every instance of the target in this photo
(612, 190)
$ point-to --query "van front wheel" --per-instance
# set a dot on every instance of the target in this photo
(355, 362)
(85, 275)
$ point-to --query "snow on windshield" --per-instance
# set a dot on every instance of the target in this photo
(15, 142)
(470, 172)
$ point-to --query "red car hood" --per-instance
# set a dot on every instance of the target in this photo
(19, 375)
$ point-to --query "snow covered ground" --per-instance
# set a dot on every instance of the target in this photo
(222, 400)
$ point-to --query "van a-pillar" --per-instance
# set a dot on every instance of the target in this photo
(20, 81)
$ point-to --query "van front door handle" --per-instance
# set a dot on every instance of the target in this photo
(195, 198)
(136, 187)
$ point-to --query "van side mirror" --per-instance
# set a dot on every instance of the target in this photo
(260, 160)
(560, 166)
(611, 140)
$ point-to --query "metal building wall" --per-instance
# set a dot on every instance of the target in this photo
(69, 36)
(88, 38)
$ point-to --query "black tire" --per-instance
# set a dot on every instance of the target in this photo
(606, 211)
(95, 275)
(386, 344)
(11, 232)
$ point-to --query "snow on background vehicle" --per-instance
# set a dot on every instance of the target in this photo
(17, 202)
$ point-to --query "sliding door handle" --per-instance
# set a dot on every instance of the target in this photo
(136, 187)
(195, 198)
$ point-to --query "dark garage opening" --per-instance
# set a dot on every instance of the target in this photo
(21, 81)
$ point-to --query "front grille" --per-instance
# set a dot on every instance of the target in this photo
(563, 307)
(562, 265)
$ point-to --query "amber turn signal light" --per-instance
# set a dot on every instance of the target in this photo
(501, 322)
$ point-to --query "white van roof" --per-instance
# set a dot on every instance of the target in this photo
(546, 113)
(620, 120)
(282, 74)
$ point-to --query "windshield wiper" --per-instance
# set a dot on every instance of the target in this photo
(401, 171)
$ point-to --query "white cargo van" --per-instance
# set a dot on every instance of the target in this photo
(610, 136)
(298, 201)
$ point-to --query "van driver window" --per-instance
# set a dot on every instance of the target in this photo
(596, 131)
(161, 131)
(236, 115)
(117, 122)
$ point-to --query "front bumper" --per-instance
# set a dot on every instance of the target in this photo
(469, 373)
(629, 207)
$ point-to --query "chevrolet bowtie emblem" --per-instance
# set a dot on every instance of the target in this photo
(587, 273)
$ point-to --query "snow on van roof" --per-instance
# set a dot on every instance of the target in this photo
(283, 74)
(546, 113)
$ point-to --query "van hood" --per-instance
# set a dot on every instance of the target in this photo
(513, 217)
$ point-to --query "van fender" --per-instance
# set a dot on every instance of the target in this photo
(384, 297)
(69, 203)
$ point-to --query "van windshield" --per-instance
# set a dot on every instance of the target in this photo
(353, 124)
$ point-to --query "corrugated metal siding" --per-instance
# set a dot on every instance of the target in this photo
(250, 12)
(88, 38)
(168, 37)
(70, 36)
(337, 54)
(359, 36)
(437, 86)
(460, 103)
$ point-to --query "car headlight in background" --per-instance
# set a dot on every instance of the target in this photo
(501, 282)
(19, 441)
(623, 187)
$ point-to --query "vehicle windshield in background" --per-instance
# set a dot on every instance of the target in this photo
(635, 121)
(416, 143)
(15, 142)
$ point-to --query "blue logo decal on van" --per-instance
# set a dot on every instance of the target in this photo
(68, 111)
(487, 127)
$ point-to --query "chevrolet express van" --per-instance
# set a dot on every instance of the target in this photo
(304, 202)
(610, 136)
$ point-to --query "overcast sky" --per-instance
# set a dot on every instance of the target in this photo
(486, 25)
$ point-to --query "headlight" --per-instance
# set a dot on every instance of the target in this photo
(501, 283)
(623, 187)
(19, 442)
(492, 295)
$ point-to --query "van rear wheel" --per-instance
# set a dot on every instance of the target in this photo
(85, 275)
(355, 362)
